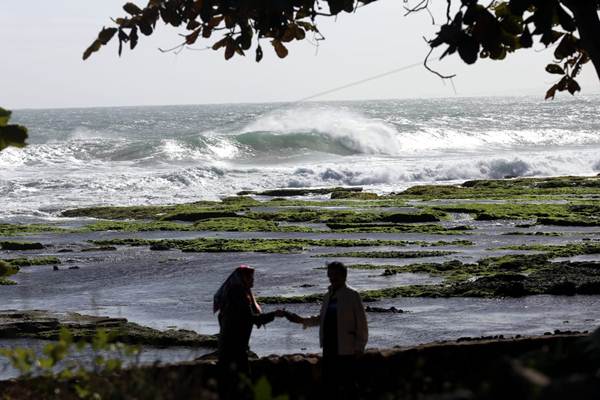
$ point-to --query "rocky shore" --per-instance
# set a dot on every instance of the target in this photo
(46, 325)
(503, 243)
(554, 366)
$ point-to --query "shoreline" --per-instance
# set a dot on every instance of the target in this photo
(479, 367)
(457, 267)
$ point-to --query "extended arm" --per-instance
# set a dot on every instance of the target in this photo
(314, 320)
(263, 319)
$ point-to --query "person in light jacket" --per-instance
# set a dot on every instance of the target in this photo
(343, 331)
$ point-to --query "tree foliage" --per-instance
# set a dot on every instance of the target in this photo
(471, 29)
(11, 135)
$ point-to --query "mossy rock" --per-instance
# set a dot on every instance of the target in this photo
(304, 191)
(21, 246)
(17, 229)
(408, 218)
(193, 216)
(398, 228)
(240, 200)
(569, 221)
(345, 194)
(388, 254)
(7, 269)
(238, 224)
(27, 262)
(47, 325)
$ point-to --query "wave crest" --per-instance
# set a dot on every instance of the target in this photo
(325, 130)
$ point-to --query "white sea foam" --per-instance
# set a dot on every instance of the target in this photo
(150, 158)
(361, 134)
(352, 130)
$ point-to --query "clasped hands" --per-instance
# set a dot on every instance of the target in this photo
(290, 316)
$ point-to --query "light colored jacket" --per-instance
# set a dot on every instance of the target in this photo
(352, 328)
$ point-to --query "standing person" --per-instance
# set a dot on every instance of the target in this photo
(238, 312)
(343, 332)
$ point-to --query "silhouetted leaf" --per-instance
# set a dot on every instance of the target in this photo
(300, 34)
(573, 86)
(525, 39)
(550, 37)
(133, 38)
(551, 92)
(566, 47)
(307, 26)
(106, 34)
(259, 53)
(512, 24)
(563, 83)
(518, 7)
(95, 46)
(193, 24)
(229, 48)
(335, 6)
(565, 20)
(192, 37)
(468, 49)
(280, 49)
(220, 43)
(555, 69)
(132, 9)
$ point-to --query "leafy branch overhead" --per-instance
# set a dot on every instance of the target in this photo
(473, 30)
(11, 135)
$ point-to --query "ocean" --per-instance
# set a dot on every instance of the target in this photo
(175, 154)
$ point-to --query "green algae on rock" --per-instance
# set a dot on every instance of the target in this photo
(228, 224)
(342, 216)
(435, 229)
(264, 245)
(167, 212)
(300, 191)
(508, 188)
(11, 266)
(514, 275)
(21, 246)
(7, 269)
(563, 250)
(344, 194)
(538, 233)
(389, 254)
(38, 324)
(243, 224)
(30, 261)
(27, 229)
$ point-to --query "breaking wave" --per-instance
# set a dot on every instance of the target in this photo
(79, 158)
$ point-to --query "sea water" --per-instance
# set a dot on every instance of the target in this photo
(173, 154)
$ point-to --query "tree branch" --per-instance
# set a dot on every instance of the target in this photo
(433, 71)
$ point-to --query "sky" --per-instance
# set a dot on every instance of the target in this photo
(42, 43)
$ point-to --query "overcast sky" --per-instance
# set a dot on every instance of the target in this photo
(42, 42)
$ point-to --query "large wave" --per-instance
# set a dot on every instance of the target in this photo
(168, 159)
(343, 132)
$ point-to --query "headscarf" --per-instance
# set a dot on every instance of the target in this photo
(235, 279)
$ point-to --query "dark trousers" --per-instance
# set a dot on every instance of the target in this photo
(234, 371)
(339, 377)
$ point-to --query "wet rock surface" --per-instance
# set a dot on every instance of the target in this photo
(541, 368)
(40, 324)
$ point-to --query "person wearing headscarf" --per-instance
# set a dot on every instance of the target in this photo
(238, 313)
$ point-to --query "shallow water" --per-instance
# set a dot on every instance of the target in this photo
(174, 289)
